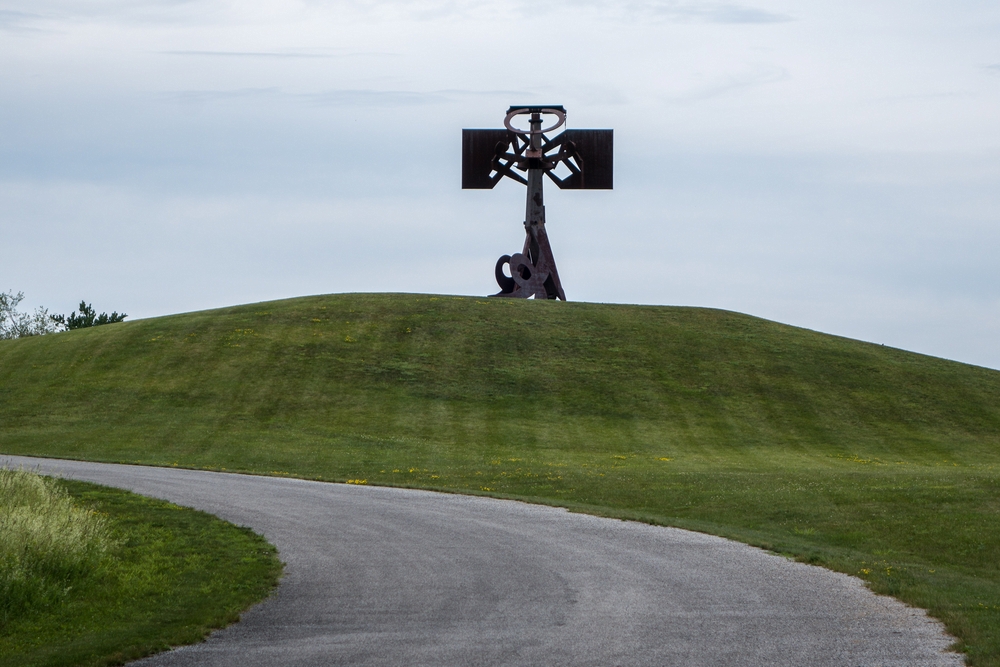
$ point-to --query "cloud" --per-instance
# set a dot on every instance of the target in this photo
(684, 12)
(206, 96)
(248, 54)
(947, 95)
(668, 10)
(115, 11)
(730, 82)
(17, 21)
(374, 98)
(712, 13)
(466, 92)
(399, 98)
(277, 54)
(9, 16)
(341, 98)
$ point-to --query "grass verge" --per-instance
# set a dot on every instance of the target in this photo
(99, 576)
(865, 459)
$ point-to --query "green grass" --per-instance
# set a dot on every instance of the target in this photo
(49, 544)
(97, 576)
(863, 458)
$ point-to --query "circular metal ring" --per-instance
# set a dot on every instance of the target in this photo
(506, 283)
(561, 115)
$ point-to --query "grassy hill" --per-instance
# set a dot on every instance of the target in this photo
(866, 459)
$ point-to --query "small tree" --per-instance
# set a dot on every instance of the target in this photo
(15, 324)
(88, 317)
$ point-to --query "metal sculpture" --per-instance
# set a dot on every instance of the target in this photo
(585, 157)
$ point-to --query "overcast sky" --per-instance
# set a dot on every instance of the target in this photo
(833, 165)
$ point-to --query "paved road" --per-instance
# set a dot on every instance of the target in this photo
(379, 576)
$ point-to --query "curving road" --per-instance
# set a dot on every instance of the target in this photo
(381, 576)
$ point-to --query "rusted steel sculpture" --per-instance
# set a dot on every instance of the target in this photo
(585, 157)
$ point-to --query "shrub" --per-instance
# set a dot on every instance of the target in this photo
(15, 324)
(88, 317)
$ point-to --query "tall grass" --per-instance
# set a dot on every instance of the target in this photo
(48, 544)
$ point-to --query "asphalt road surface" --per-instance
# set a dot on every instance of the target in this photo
(381, 576)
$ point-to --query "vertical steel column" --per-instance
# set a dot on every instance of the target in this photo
(536, 241)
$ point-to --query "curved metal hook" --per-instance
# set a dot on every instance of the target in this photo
(505, 282)
(559, 113)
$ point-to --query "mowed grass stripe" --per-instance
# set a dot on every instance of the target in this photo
(867, 459)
